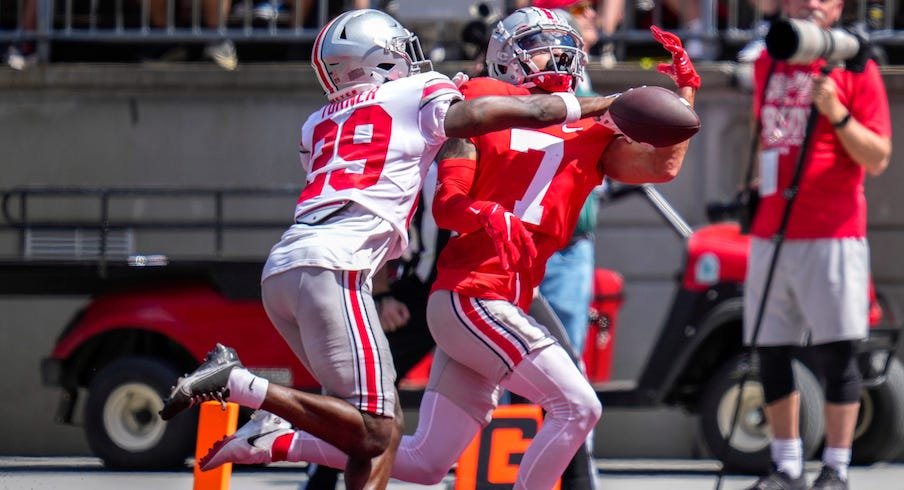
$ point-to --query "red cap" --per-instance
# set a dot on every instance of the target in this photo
(554, 4)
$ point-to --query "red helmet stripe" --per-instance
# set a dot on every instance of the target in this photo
(548, 13)
(317, 61)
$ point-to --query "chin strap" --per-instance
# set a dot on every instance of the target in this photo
(555, 82)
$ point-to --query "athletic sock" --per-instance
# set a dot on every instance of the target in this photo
(837, 458)
(788, 456)
(279, 451)
(305, 447)
(247, 389)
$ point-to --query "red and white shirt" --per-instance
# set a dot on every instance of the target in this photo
(372, 149)
(543, 176)
(831, 202)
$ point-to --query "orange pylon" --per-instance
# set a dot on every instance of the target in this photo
(214, 423)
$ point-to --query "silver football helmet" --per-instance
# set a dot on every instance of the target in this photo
(526, 32)
(365, 48)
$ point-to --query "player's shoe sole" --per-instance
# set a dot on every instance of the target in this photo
(207, 382)
(251, 444)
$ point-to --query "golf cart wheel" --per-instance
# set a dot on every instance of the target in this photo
(121, 421)
(748, 451)
(879, 435)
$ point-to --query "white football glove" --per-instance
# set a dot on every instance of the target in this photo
(460, 78)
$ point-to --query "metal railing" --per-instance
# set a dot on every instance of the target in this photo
(156, 21)
(133, 21)
(105, 215)
(736, 22)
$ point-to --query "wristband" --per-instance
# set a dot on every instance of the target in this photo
(572, 106)
(843, 122)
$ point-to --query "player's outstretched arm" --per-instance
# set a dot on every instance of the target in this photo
(494, 113)
(634, 163)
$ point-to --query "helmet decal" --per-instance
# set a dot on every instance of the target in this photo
(319, 67)
(363, 48)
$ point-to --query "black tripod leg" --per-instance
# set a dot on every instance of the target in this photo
(580, 473)
(779, 239)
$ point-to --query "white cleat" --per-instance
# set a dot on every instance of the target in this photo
(250, 444)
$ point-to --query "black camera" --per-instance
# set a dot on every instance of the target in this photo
(476, 33)
(801, 41)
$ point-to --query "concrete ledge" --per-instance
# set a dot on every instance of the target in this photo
(278, 76)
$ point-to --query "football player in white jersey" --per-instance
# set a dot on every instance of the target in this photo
(365, 154)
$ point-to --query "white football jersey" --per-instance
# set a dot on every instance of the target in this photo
(372, 149)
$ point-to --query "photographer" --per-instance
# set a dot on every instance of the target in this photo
(818, 295)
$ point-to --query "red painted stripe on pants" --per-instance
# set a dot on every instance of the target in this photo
(368, 362)
(488, 329)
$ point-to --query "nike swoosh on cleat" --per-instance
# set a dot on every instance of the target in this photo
(258, 436)
(251, 385)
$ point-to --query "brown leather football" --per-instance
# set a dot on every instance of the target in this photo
(654, 115)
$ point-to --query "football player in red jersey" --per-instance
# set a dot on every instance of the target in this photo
(514, 197)
(518, 186)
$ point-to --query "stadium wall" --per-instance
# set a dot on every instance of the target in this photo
(185, 125)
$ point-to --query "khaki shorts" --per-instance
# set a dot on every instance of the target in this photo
(819, 292)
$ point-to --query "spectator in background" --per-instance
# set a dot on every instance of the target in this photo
(590, 23)
(818, 296)
(770, 10)
(610, 15)
(513, 5)
(688, 12)
(213, 17)
(21, 55)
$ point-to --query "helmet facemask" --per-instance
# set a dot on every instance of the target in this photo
(407, 48)
(566, 59)
(527, 32)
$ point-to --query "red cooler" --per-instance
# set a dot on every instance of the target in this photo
(608, 295)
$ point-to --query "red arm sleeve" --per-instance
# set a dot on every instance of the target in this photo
(453, 207)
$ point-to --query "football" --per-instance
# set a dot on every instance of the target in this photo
(654, 115)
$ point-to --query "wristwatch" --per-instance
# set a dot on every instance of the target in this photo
(843, 122)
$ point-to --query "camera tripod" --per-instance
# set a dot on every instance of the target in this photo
(778, 240)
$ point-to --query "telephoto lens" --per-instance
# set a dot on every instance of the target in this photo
(801, 41)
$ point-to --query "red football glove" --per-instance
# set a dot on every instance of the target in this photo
(513, 242)
(680, 69)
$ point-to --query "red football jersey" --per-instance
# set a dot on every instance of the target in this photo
(543, 176)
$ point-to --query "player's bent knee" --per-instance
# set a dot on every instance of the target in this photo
(587, 407)
(776, 374)
(380, 432)
(838, 363)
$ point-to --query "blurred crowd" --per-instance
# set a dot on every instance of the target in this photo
(192, 30)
